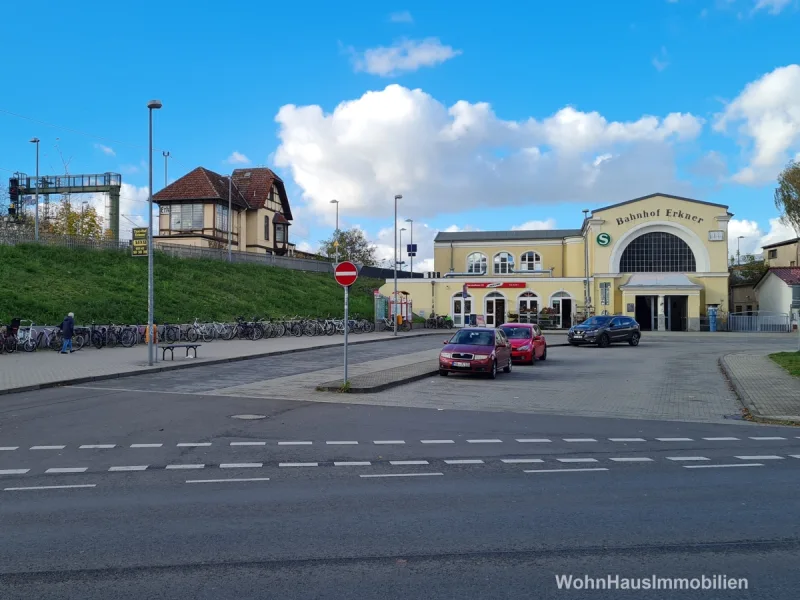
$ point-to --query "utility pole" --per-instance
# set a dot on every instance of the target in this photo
(36, 213)
(152, 105)
(396, 198)
(587, 297)
(230, 217)
(166, 156)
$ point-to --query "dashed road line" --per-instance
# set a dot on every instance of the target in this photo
(376, 475)
(513, 461)
(577, 460)
(248, 443)
(579, 440)
(722, 466)
(721, 439)
(352, 463)
(342, 443)
(185, 467)
(565, 470)
(295, 443)
(408, 462)
(486, 441)
(627, 440)
(464, 461)
(767, 457)
(13, 471)
(47, 447)
(384, 442)
(631, 459)
(437, 441)
(534, 440)
(227, 480)
(97, 446)
(9, 448)
(146, 445)
(194, 444)
(49, 487)
(241, 465)
(687, 458)
(298, 464)
(129, 468)
(767, 438)
(67, 470)
(795, 455)
(675, 439)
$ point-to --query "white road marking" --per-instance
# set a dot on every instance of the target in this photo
(342, 443)
(130, 468)
(226, 480)
(580, 440)
(722, 466)
(97, 446)
(576, 460)
(248, 443)
(437, 441)
(679, 458)
(400, 475)
(490, 441)
(565, 470)
(9, 447)
(795, 455)
(67, 470)
(241, 465)
(50, 487)
(308, 464)
(632, 459)
(193, 444)
(47, 447)
(513, 461)
(768, 457)
(675, 439)
(295, 443)
(408, 462)
(352, 463)
(13, 471)
(533, 440)
(627, 439)
(464, 461)
(388, 442)
(184, 467)
(722, 439)
(767, 438)
(146, 445)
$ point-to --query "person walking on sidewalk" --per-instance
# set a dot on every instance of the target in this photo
(67, 329)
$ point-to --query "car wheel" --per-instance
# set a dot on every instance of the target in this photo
(544, 354)
(507, 368)
(493, 372)
(634, 341)
(442, 372)
(603, 341)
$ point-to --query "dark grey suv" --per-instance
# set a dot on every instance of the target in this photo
(605, 330)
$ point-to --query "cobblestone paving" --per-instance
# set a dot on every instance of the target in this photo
(764, 387)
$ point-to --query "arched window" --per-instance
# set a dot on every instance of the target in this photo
(528, 307)
(657, 251)
(476, 263)
(530, 261)
(266, 227)
(503, 263)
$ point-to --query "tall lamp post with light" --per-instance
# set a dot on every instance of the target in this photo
(587, 297)
(36, 197)
(396, 198)
(151, 106)
(336, 233)
(411, 255)
(402, 262)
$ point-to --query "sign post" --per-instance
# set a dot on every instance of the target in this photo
(346, 274)
(139, 246)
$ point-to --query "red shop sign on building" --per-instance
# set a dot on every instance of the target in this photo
(504, 284)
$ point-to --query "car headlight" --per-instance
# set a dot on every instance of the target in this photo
(525, 348)
(446, 355)
(481, 356)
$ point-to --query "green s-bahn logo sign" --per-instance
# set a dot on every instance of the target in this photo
(603, 239)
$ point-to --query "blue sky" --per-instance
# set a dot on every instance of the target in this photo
(487, 118)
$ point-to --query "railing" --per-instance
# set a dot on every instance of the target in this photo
(759, 321)
(51, 184)
(14, 237)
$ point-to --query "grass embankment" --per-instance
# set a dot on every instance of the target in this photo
(789, 361)
(45, 283)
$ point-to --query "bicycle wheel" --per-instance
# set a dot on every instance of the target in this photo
(128, 338)
(97, 339)
(171, 335)
(207, 334)
(258, 331)
(10, 344)
(192, 335)
(56, 342)
(78, 342)
(111, 341)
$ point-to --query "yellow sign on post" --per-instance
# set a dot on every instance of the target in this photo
(139, 246)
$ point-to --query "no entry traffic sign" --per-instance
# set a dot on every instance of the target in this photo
(345, 273)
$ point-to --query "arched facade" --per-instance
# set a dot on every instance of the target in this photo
(691, 239)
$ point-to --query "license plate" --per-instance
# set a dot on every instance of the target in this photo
(578, 334)
(461, 364)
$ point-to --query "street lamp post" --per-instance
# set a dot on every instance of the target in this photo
(336, 234)
(36, 197)
(401, 261)
(396, 198)
(411, 226)
(738, 256)
(165, 154)
(152, 105)
(587, 297)
(230, 218)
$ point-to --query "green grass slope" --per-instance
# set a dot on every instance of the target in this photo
(45, 283)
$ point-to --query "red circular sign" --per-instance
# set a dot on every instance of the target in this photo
(345, 273)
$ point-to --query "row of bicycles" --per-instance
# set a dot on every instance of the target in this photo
(27, 336)
(435, 321)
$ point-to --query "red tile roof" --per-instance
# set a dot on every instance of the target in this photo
(791, 275)
(280, 219)
(255, 185)
(200, 184)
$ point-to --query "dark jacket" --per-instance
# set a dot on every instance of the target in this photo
(67, 328)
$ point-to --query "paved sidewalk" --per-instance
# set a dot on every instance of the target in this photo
(766, 389)
(24, 371)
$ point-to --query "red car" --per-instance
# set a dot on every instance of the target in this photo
(476, 350)
(527, 342)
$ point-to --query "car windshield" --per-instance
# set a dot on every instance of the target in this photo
(473, 338)
(596, 321)
(517, 333)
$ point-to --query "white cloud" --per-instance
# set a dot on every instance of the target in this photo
(107, 150)
(767, 113)
(711, 165)
(535, 225)
(304, 246)
(661, 60)
(773, 7)
(237, 158)
(403, 57)
(451, 159)
(402, 16)
(754, 237)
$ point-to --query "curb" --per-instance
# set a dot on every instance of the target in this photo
(751, 413)
(213, 361)
(381, 387)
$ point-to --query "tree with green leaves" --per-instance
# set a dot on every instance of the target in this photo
(352, 245)
(83, 223)
(787, 195)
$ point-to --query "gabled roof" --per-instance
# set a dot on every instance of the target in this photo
(783, 243)
(492, 236)
(658, 194)
(789, 275)
(201, 184)
(255, 185)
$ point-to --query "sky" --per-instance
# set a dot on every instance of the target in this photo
(512, 117)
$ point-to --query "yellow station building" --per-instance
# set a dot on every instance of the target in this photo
(661, 259)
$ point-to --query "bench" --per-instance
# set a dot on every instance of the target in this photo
(171, 348)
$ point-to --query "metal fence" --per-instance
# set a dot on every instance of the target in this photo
(759, 321)
(272, 260)
(14, 237)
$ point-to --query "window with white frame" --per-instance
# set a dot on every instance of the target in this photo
(222, 217)
(476, 263)
(530, 261)
(503, 263)
(280, 233)
(605, 293)
(186, 217)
